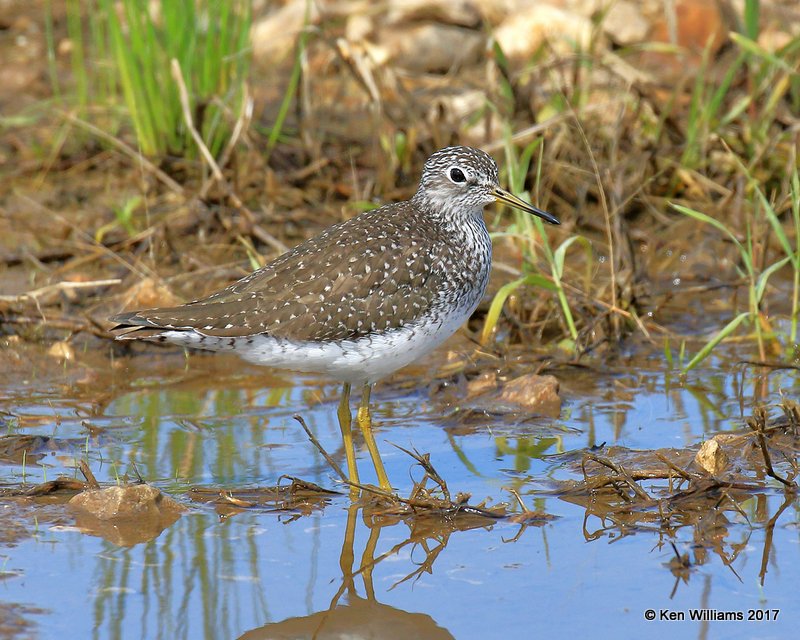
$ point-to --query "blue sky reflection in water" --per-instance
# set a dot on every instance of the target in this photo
(271, 575)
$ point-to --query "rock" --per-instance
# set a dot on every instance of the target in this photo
(124, 502)
(358, 27)
(456, 109)
(522, 34)
(61, 350)
(712, 457)
(465, 13)
(699, 23)
(772, 39)
(273, 37)
(535, 393)
(125, 515)
(487, 381)
(432, 47)
(693, 25)
(494, 12)
(585, 8)
(147, 293)
(624, 23)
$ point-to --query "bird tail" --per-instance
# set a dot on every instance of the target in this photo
(131, 325)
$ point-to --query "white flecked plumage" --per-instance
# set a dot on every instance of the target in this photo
(365, 297)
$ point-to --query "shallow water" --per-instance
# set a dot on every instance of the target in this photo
(210, 422)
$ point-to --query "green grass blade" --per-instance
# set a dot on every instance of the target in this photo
(702, 217)
(752, 47)
(78, 55)
(503, 294)
(52, 66)
(132, 43)
(752, 14)
(559, 255)
(723, 333)
(763, 278)
(294, 82)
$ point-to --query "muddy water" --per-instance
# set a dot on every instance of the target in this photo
(328, 568)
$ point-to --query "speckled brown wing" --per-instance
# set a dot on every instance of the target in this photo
(368, 274)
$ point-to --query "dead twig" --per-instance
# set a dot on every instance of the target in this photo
(337, 469)
(424, 461)
(298, 485)
(87, 473)
(140, 270)
(420, 499)
(58, 287)
(769, 531)
(67, 485)
(242, 123)
(792, 412)
(758, 423)
(253, 228)
(682, 473)
(67, 324)
(128, 151)
(331, 462)
(619, 470)
(777, 366)
(45, 255)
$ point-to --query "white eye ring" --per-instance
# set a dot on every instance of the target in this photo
(457, 175)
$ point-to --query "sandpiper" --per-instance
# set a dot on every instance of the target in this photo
(362, 299)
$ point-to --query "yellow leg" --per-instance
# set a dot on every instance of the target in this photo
(347, 557)
(368, 562)
(365, 424)
(345, 422)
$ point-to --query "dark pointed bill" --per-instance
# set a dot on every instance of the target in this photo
(510, 199)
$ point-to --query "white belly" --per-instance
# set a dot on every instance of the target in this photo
(364, 360)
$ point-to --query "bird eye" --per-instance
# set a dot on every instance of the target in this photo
(457, 175)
